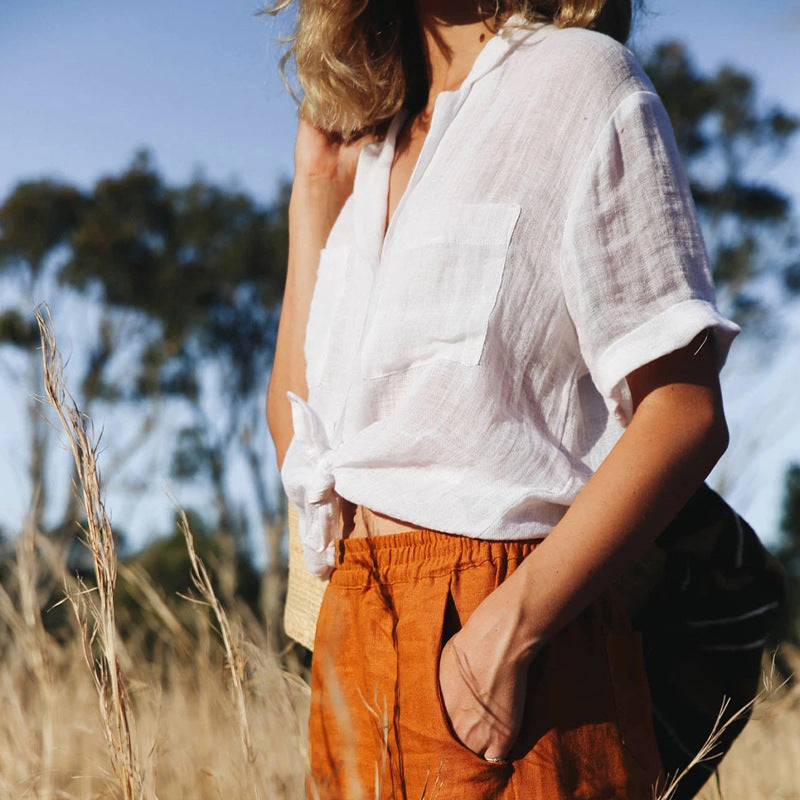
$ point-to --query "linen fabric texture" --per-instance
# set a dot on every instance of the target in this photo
(378, 727)
(467, 372)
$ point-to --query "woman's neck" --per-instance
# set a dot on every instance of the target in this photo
(453, 33)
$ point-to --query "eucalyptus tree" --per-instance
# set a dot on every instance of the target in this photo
(36, 222)
(728, 137)
(184, 286)
(202, 267)
(185, 282)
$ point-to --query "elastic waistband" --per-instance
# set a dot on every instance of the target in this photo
(410, 555)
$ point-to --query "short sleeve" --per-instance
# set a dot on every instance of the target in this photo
(633, 263)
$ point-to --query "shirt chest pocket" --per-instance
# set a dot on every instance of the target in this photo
(437, 286)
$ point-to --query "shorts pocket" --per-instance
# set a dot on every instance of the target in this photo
(450, 626)
(437, 287)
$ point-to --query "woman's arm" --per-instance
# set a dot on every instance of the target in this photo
(324, 173)
(675, 437)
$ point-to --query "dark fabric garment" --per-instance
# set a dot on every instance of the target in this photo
(705, 599)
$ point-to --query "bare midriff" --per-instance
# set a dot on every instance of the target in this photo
(359, 521)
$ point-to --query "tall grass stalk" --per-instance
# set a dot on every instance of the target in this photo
(166, 724)
(100, 623)
(234, 655)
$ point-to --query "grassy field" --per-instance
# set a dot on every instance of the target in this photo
(183, 719)
(764, 763)
(206, 719)
(194, 704)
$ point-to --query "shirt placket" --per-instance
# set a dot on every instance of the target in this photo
(373, 245)
(371, 198)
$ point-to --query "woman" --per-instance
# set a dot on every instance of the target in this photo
(504, 387)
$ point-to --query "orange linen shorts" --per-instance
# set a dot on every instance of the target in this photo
(377, 727)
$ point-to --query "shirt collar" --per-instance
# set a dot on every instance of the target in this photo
(375, 160)
(495, 50)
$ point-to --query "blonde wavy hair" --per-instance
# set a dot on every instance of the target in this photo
(359, 61)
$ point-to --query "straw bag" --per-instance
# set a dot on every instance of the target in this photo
(704, 599)
(303, 592)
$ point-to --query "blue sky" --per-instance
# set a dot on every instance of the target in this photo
(84, 83)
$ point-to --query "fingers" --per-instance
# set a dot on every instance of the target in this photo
(471, 683)
(479, 704)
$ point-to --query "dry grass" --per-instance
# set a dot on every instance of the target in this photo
(186, 729)
(763, 762)
(206, 711)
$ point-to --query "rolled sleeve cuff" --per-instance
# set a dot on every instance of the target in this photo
(670, 330)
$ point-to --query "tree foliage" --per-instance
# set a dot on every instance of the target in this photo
(35, 219)
(727, 138)
(187, 282)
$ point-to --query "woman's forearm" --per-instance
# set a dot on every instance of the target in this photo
(650, 474)
(309, 225)
(677, 434)
(324, 173)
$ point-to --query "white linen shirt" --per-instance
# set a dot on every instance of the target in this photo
(468, 373)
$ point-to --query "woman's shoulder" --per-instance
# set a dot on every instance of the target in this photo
(581, 66)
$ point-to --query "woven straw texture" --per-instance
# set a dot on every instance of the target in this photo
(303, 593)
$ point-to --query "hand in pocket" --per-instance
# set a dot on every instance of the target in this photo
(483, 691)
